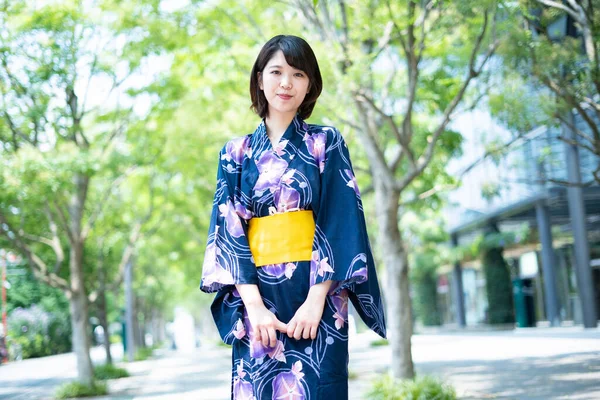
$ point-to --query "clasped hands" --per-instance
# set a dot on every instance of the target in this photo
(304, 324)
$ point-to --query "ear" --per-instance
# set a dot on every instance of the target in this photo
(260, 83)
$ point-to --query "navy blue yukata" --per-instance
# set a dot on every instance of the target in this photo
(309, 169)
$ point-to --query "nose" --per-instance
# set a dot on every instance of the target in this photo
(285, 82)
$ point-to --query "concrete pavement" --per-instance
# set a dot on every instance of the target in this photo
(535, 364)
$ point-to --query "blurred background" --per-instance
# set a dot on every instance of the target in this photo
(474, 128)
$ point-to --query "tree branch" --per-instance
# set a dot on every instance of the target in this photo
(102, 204)
(36, 263)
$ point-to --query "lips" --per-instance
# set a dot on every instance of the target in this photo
(284, 96)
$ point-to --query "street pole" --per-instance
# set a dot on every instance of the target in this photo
(129, 310)
(578, 224)
(4, 301)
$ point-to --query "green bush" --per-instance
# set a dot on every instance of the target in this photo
(498, 287)
(426, 388)
(116, 338)
(109, 371)
(38, 318)
(78, 389)
(379, 342)
(38, 333)
(143, 353)
(424, 282)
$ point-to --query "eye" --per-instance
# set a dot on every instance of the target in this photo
(275, 72)
(299, 74)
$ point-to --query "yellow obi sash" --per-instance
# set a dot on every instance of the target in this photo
(281, 238)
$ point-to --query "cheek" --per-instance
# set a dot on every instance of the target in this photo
(270, 81)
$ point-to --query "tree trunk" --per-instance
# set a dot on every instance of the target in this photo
(104, 320)
(79, 318)
(79, 300)
(399, 319)
(138, 336)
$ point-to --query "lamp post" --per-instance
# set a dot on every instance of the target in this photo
(557, 31)
(4, 303)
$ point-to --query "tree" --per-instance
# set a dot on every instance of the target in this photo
(567, 67)
(403, 76)
(63, 147)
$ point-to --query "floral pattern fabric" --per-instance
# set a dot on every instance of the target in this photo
(309, 169)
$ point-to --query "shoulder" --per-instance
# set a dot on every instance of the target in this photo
(236, 149)
(331, 134)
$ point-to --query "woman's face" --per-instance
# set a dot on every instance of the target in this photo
(283, 85)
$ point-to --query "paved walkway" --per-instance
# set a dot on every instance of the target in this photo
(536, 364)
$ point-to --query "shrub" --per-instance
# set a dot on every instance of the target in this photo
(109, 371)
(379, 342)
(39, 333)
(78, 389)
(143, 353)
(426, 388)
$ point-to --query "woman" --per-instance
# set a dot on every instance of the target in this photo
(287, 244)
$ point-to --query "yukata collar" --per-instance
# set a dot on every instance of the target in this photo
(289, 142)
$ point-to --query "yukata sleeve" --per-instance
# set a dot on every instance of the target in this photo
(227, 260)
(341, 250)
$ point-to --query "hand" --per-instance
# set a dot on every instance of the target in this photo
(305, 322)
(264, 323)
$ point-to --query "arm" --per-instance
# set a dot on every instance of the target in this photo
(264, 322)
(305, 322)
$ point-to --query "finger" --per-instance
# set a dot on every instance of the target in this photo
(264, 337)
(313, 332)
(298, 331)
(291, 327)
(306, 332)
(281, 327)
(272, 337)
(256, 334)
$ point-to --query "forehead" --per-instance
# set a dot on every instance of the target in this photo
(278, 60)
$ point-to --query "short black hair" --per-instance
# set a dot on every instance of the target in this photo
(299, 55)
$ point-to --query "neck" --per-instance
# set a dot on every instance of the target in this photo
(277, 123)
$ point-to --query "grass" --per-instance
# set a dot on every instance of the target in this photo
(379, 342)
(109, 371)
(143, 353)
(221, 343)
(426, 388)
(77, 389)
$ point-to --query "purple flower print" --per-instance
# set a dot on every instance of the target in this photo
(316, 147)
(240, 330)
(278, 352)
(288, 385)
(270, 168)
(352, 181)
(289, 269)
(318, 267)
(286, 198)
(360, 275)
(278, 270)
(279, 149)
(257, 350)
(340, 302)
(232, 220)
(242, 211)
(212, 271)
(242, 390)
(236, 149)
(287, 178)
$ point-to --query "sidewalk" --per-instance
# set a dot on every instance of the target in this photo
(535, 364)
